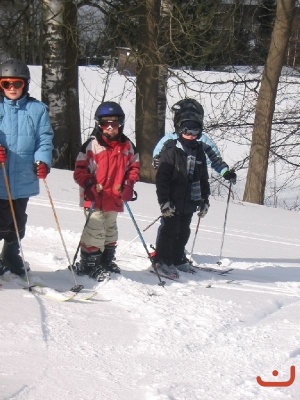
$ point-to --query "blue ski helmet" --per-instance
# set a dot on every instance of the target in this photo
(110, 108)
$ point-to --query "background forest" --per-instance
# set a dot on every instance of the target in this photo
(154, 43)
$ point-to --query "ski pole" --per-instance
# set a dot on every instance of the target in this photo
(152, 223)
(144, 230)
(161, 283)
(91, 210)
(77, 288)
(224, 226)
(196, 232)
(15, 222)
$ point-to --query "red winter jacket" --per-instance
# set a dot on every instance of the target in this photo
(109, 163)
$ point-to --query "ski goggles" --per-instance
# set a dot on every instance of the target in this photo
(192, 132)
(109, 124)
(15, 83)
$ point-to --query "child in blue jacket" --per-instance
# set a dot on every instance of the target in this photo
(25, 156)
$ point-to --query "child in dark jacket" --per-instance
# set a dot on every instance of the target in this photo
(106, 170)
(182, 188)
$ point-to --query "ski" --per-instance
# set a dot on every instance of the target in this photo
(39, 288)
(85, 296)
(214, 270)
(51, 293)
(253, 288)
(165, 276)
(88, 294)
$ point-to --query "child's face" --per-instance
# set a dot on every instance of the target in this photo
(12, 87)
(110, 126)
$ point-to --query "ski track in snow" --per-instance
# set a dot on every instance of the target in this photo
(238, 233)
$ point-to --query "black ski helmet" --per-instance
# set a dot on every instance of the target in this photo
(13, 68)
(187, 110)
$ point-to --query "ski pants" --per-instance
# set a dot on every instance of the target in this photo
(100, 230)
(172, 237)
(7, 226)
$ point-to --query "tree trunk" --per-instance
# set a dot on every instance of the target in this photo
(261, 136)
(72, 95)
(60, 79)
(162, 101)
(54, 90)
(147, 88)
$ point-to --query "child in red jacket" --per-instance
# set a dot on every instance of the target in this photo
(106, 170)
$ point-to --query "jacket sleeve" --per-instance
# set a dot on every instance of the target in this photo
(160, 144)
(212, 152)
(83, 175)
(165, 173)
(204, 179)
(44, 145)
(133, 168)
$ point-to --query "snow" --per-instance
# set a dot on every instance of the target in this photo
(137, 340)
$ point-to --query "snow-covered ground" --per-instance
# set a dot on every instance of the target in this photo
(200, 338)
(137, 340)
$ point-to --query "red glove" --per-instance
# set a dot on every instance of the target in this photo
(91, 193)
(127, 192)
(3, 156)
(41, 169)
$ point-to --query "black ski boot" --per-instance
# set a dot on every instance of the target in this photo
(88, 262)
(11, 258)
(108, 258)
(99, 273)
(3, 268)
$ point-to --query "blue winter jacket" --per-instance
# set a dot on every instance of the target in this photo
(209, 147)
(26, 133)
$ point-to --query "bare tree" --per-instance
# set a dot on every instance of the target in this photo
(147, 86)
(54, 77)
(261, 137)
(60, 79)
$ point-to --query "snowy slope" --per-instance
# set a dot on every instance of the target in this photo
(138, 341)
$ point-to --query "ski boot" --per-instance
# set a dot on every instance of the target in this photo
(11, 258)
(167, 270)
(99, 273)
(184, 265)
(108, 258)
(3, 268)
(88, 262)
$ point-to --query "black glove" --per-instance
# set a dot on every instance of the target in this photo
(167, 209)
(230, 176)
(203, 208)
